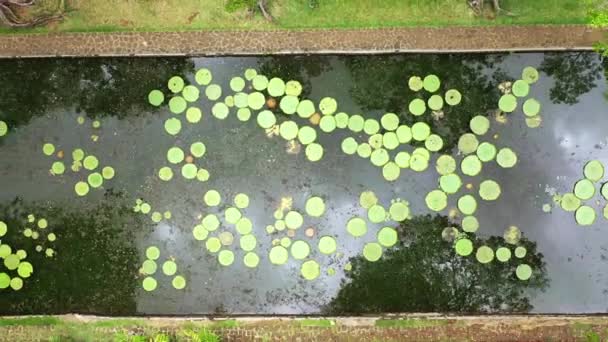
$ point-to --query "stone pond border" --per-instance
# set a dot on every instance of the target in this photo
(325, 41)
(389, 327)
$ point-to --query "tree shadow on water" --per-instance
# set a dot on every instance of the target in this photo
(93, 270)
(422, 273)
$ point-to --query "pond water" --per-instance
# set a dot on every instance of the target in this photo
(88, 254)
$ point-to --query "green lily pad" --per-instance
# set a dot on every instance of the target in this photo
(173, 126)
(212, 198)
(149, 267)
(328, 105)
(503, 254)
(479, 125)
(293, 88)
(530, 75)
(250, 73)
(390, 121)
(289, 104)
(486, 152)
(367, 199)
(404, 134)
(327, 245)
(176, 84)
(433, 143)
(248, 242)
(419, 162)
(220, 110)
(431, 83)
(225, 257)
(403, 159)
(470, 224)
(81, 188)
(376, 213)
(489, 190)
(391, 171)
(463, 247)
(594, 170)
(213, 92)
(371, 126)
(314, 152)
(584, 189)
(512, 235)
(251, 260)
(306, 109)
(379, 157)
(95, 180)
(155, 98)
(484, 254)
(177, 104)
(307, 135)
(520, 88)
(435, 102)
(450, 183)
(453, 97)
(278, 255)
(364, 150)
(399, 211)
(468, 143)
(237, 84)
(190, 93)
(585, 215)
(415, 83)
(203, 76)
(193, 115)
(507, 103)
(315, 206)
(178, 282)
(356, 227)
(256, 101)
(327, 124)
(149, 284)
(288, 130)
(417, 107)
(356, 123)
(310, 270)
(387, 236)
(372, 251)
(210, 222)
(276, 87)
(531, 107)
(300, 249)
(390, 140)
(436, 200)
(213, 244)
(259, 82)
(506, 158)
(445, 164)
(467, 204)
(523, 272)
(471, 165)
(48, 149)
(421, 131)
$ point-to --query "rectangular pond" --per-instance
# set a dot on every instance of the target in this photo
(304, 184)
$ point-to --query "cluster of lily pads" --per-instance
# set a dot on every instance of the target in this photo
(233, 216)
(398, 211)
(16, 261)
(145, 208)
(96, 124)
(299, 248)
(584, 190)
(95, 179)
(269, 97)
(34, 228)
(520, 89)
(189, 170)
(169, 268)
(485, 254)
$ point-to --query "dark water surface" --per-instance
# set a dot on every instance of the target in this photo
(101, 241)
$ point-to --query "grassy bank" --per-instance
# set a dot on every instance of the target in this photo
(180, 15)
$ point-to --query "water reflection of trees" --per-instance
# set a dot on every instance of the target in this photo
(98, 87)
(422, 273)
(93, 268)
(381, 83)
(574, 74)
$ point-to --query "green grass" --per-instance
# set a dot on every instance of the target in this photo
(410, 323)
(184, 15)
(30, 321)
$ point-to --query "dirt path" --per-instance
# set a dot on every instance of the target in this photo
(511, 38)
